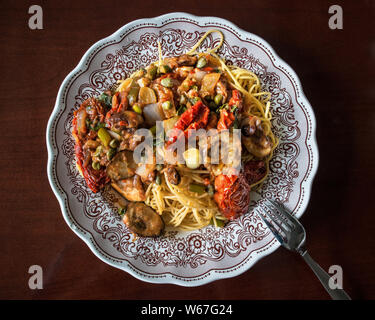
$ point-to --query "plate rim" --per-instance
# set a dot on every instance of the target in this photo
(169, 278)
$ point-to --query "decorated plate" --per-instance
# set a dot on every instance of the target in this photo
(196, 257)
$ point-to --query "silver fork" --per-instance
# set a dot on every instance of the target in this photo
(292, 235)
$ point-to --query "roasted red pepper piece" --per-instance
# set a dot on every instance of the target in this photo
(226, 120)
(195, 117)
(233, 192)
(232, 195)
(95, 179)
(235, 100)
(226, 115)
(254, 171)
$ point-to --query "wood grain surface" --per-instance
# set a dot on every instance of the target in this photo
(336, 68)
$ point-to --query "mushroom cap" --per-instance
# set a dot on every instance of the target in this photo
(143, 220)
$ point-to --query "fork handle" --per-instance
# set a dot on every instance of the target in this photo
(336, 294)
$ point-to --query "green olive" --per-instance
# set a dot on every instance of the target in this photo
(137, 108)
(201, 62)
(113, 144)
(166, 105)
(167, 82)
(104, 136)
(96, 165)
(197, 188)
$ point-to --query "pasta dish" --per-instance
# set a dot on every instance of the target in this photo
(183, 140)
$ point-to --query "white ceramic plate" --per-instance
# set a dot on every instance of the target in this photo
(185, 258)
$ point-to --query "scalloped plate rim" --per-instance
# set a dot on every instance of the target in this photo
(168, 278)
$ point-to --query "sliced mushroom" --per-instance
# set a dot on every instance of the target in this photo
(253, 137)
(91, 144)
(125, 119)
(249, 125)
(146, 172)
(221, 88)
(122, 166)
(143, 220)
(183, 60)
(131, 188)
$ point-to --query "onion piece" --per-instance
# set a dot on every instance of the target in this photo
(192, 158)
(114, 135)
(199, 75)
(209, 82)
(146, 96)
(152, 113)
(145, 170)
(169, 123)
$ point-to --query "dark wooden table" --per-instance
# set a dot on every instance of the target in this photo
(336, 68)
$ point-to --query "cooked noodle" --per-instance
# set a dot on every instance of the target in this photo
(188, 210)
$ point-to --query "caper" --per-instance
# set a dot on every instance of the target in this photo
(195, 100)
(137, 108)
(164, 69)
(183, 99)
(167, 82)
(152, 72)
(111, 152)
(113, 144)
(212, 105)
(181, 110)
(133, 95)
(218, 98)
(194, 88)
(159, 167)
(98, 151)
(166, 105)
(210, 190)
(220, 223)
(201, 62)
(121, 211)
(158, 179)
(153, 130)
(88, 122)
(96, 165)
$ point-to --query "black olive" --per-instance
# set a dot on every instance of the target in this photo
(173, 175)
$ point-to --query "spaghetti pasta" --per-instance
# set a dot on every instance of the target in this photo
(197, 90)
(186, 210)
